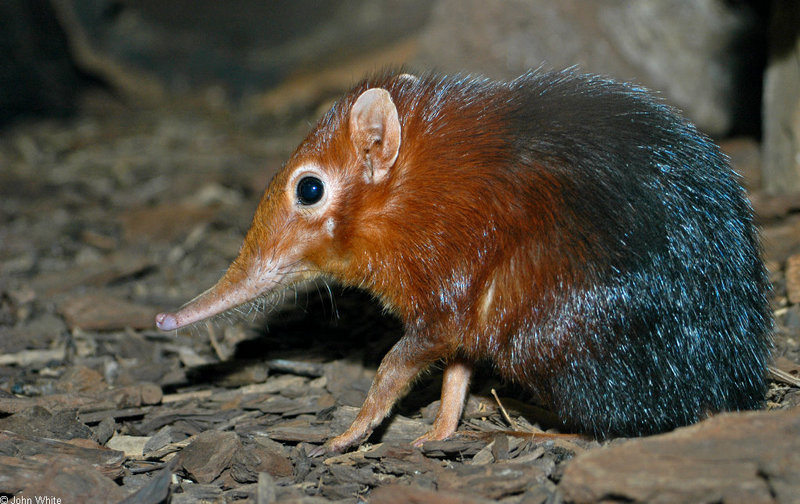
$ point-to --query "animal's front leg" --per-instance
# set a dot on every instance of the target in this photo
(398, 368)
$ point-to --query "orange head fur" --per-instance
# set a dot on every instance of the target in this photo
(296, 236)
(406, 211)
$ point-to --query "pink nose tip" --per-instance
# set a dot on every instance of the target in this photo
(166, 321)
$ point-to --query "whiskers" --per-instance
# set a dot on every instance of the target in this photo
(282, 298)
(290, 287)
(331, 297)
(272, 301)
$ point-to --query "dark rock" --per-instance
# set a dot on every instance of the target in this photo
(242, 46)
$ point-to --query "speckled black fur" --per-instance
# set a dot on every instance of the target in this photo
(674, 322)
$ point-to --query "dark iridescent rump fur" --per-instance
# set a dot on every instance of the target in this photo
(675, 322)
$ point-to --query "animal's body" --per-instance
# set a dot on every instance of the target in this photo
(575, 231)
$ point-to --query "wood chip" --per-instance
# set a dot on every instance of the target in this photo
(103, 312)
(793, 279)
(722, 459)
(253, 459)
(107, 461)
(154, 492)
(208, 454)
(29, 357)
(61, 479)
(402, 494)
(300, 430)
(132, 446)
(184, 396)
(112, 267)
(166, 222)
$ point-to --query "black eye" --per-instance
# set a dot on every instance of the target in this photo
(310, 190)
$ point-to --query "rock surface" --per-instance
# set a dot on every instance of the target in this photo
(690, 52)
(745, 457)
(782, 100)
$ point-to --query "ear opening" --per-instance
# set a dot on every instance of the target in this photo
(375, 131)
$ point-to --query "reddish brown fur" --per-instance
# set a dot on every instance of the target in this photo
(429, 241)
(402, 241)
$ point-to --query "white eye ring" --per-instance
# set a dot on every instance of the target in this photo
(310, 188)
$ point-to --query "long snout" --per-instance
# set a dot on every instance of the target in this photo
(258, 269)
(233, 289)
(218, 299)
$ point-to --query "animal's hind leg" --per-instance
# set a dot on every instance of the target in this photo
(454, 390)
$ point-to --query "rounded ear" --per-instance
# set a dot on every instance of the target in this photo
(375, 131)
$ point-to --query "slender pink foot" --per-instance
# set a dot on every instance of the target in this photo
(431, 435)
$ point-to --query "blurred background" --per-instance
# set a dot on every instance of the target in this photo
(730, 65)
